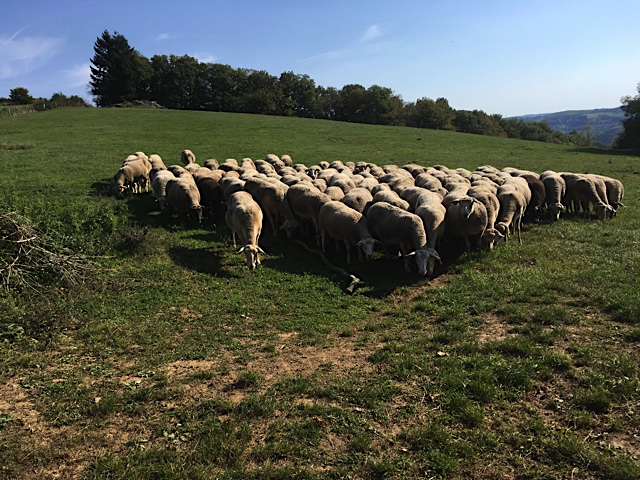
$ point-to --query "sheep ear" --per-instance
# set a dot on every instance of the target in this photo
(241, 250)
(261, 250)
(411, 254)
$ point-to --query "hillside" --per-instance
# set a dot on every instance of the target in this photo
(605, 122)
(165, 357)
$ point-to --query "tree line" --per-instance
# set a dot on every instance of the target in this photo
(120, 74)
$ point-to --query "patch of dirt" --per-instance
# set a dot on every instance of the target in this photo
(493, 329)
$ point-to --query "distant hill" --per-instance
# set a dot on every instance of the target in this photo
(605, 122)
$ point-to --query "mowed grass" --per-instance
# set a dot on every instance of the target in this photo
(172, 360)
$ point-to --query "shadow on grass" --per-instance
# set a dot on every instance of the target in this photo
(382, 276)
(201, 260)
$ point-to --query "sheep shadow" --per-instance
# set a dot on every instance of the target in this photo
(381, 276)
(201, 260)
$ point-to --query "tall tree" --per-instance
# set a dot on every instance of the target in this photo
(117, 72)
(630, 135)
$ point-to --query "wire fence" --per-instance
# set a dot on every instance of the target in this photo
(10, 111)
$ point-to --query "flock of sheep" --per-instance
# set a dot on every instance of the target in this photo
(409, 209)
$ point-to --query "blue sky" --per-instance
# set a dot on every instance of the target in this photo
(508, 57)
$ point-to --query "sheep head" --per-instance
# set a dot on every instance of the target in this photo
(425, 259)
(467, 206)
(251, 253)
(368, 245)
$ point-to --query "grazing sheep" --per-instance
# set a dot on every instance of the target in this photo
(359, 199)
(491, 203)
(210, 195)
(343, 181)
(396, 228)
(466, 218)
(570, 199)
(369, 183)
(335, 193)
(159, 186)
(244, 218)
(306, 201)
(392, 198)
(554, 188)
(184, 199)
(347, 225)
(180, 172)
(615, 192)
(411, 195)
(430, 209)
(130, 178)
(230, 185)
(587, 194)
(187, 157)
(272, 198)
(512, 206)
(538, 195)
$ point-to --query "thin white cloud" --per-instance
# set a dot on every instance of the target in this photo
(204, 57)
(20, 55)
(163, 36)
(368, 36)
(371, 34)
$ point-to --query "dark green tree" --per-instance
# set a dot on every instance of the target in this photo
(117, 72)
(298, 95)
(436, 115)
(630, 135)
(327, 103)
(20, 96)
(262, 94)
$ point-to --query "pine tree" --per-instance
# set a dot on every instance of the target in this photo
(117, 73)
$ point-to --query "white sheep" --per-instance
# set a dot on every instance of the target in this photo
(512, 206)
(244, 218)
(183, 198)
(159, 186)
(554, 188)
(187, 157)
(467, 218)
(430, 209)
(396, 228)
(347, 225)
(486, 195)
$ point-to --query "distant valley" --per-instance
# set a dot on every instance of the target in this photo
(605, 123)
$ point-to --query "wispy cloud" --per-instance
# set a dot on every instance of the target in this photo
(20, 55)
(367, 37)
(371, 34)
(164, 36)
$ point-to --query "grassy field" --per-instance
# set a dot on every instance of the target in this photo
(171, 360)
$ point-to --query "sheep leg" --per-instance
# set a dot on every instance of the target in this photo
(467, 247)
(348, 247)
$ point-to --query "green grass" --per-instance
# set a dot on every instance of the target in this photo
(172, 360)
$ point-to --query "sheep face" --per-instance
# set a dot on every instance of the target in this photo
(368, 246)
(251, 253)
(556, 209)
(422, 257)
(195, 212)
(490, 237)
(467, 207)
